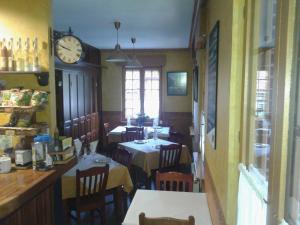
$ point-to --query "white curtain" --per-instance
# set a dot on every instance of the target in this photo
(252, 195)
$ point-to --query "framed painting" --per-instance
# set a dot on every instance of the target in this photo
(177, 83)
(212, 84)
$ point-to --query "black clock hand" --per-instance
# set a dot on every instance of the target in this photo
(64, 47)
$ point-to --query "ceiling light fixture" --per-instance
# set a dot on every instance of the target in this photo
(133, 61)
(118, 56)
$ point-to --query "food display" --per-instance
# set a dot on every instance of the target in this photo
(23, 97)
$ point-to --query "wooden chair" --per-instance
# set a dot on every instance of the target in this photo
(90, 192)
(176, 137)
(133, 133)
(169, 157)
(143, 220)
(174, 181)
(105, 147)
(123, 157)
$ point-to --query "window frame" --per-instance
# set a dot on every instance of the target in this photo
(142, 89)
(281, 107)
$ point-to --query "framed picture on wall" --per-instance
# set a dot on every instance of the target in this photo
(195, 83)
(177, 83)
(212, 84)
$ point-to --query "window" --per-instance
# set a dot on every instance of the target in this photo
(261, 76)
(142, 92)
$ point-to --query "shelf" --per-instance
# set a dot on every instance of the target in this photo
(24, 109)
(42, 77)
(27, 131)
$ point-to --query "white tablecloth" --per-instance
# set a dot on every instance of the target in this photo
(163, 132)
(178, 205)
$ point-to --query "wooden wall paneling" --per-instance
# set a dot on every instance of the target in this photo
(80, 94)
(82, 123)
(73, 94)
(67, 128)
(88, 126)
(75, 128)
(87, 90)
(66, 96)
(59, 100)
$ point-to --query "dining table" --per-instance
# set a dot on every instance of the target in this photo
(119, 179)
(115, 134)
(179, 205)
(145, 153)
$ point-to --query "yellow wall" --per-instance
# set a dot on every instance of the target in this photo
(31, 18)
(179, 60)
(223, 162)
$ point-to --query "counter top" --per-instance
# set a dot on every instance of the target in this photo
(19, 186)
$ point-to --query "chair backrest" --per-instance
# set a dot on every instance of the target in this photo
(169, 156)
(91, 183)
(143, 220)
(122, 156)
(174, 181)
(133, 133)
(175, 136)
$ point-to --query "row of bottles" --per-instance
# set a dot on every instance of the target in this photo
(19, 57)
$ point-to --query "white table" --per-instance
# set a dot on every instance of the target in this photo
(178, 205)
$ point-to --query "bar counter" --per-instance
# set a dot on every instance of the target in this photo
(27, 196)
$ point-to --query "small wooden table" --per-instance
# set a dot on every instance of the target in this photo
(115, 134)
(146, 156)
(178, 205)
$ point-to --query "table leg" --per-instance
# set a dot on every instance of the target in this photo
(118, 200)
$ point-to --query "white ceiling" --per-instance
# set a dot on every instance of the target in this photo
(154, 23)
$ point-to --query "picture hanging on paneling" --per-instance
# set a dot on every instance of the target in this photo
(195, 83)
(177, 83)
(212, 85)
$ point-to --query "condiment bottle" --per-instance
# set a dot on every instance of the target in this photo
(10, 55)
(35, 63)
(19, 56)
(3, 56)
(27, 64)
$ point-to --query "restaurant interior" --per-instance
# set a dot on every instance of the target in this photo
(136, 112)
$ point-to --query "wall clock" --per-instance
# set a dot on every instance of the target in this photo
(69, 49)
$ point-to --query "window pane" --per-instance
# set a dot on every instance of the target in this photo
(132, 93)
(263, 65)
(151, 98)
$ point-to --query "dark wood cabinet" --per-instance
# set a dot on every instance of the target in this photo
(77, 102)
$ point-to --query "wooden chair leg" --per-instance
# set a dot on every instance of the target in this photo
(78, 222)
(92, 217)
(102, 216)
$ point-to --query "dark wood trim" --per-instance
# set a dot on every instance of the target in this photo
(214, 204)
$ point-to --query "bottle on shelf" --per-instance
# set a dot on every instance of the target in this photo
(27, 60)
(3, 56)
(35, 63)
(19, 56)
(10, 55)
(56, 140)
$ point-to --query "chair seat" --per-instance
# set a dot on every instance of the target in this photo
(86, 204)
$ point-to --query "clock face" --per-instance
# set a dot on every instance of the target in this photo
(69, 49)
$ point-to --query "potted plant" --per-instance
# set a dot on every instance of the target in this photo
(141, 119)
